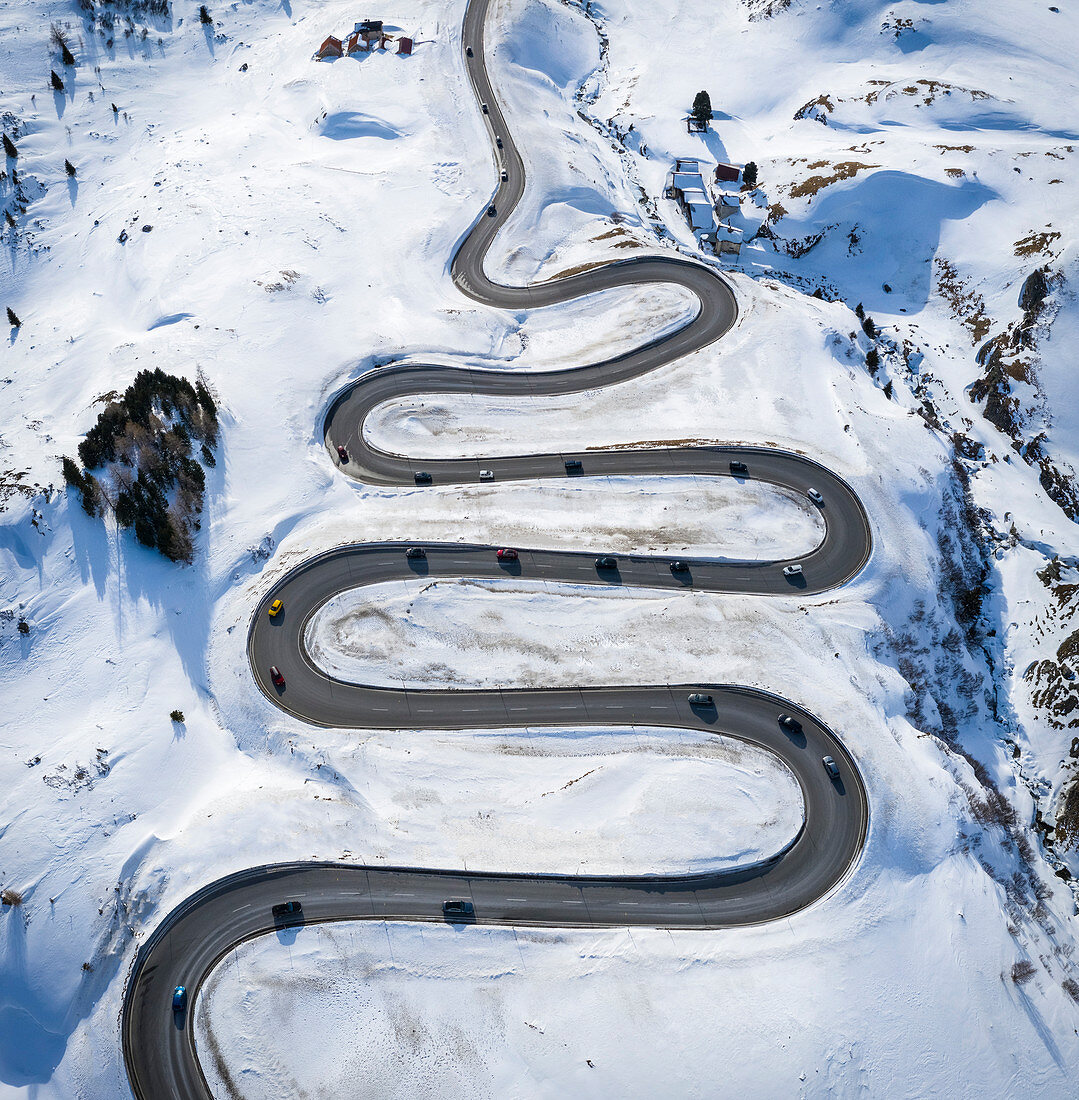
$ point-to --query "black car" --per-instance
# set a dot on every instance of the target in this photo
(468, 51)
(679, 567)
(491, 211)
(484, 106)
(789, 723)
(458, 911)
(288, 912)
(423, 477)
(498, 142)
(573, 466)
(739, 468)
(415, 552)
(607, 561)
(699, 699)
(505, 175)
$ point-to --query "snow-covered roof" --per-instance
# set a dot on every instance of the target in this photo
(686, 181)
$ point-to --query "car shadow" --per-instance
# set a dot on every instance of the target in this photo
(705, 713)
(511, 567)
(418, 566)
(797, 581)
(179, 1018)
(796, 737)
(684, 578)
(841, 789)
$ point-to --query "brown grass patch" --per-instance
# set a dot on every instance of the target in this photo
(968, 306)
(1036, 243)
(844, 170)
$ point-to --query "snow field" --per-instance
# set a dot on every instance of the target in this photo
(301, 233)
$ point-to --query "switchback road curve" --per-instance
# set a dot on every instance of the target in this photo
(159, 1050)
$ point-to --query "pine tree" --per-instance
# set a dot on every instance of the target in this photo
(9, 147)
(204, 16)
(702, 107)
(55, 81)
(749, 174)
(872, 359)
(12, 319)
(66, 56)
(69, 168)
(869, 328)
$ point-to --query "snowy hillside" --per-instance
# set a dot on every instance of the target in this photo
(289, 224)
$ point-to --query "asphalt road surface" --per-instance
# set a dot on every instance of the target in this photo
(159, 1049)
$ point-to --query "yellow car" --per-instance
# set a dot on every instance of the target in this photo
(275, 608)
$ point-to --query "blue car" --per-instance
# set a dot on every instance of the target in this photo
(179, 999)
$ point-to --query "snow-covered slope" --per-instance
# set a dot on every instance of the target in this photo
(301, 221)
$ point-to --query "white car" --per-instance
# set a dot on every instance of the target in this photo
(487, 475)
(792, 571)
(814, 496)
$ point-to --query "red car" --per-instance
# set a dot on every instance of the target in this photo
(342, 454)
(507, 555)
(275, 675)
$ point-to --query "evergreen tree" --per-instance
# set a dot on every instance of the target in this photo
(749, 174)
(69, 168)
(66, 55)
(12, 319)
(55, 81)
(702, 107)
(204, 16)
(9, 147)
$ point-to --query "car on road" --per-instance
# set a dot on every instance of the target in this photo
(179, 999)
(792, 570)
(789, 723)
(342, 454)
(699, 699)
(275, 675)
(487, 475)
(288, 912)
(573, 466)
(679, 567)
(505, 175)
(422, 477)
(275, 609)
(830, 766)
(814, 496)
(468, 51)
(506, 554)
(486, 109)
(739, 468)
(491, 211)
(498, 142)
(458, 910)
(415, 552)
(607, 561)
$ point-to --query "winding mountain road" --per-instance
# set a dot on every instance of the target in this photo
(159, 1048)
